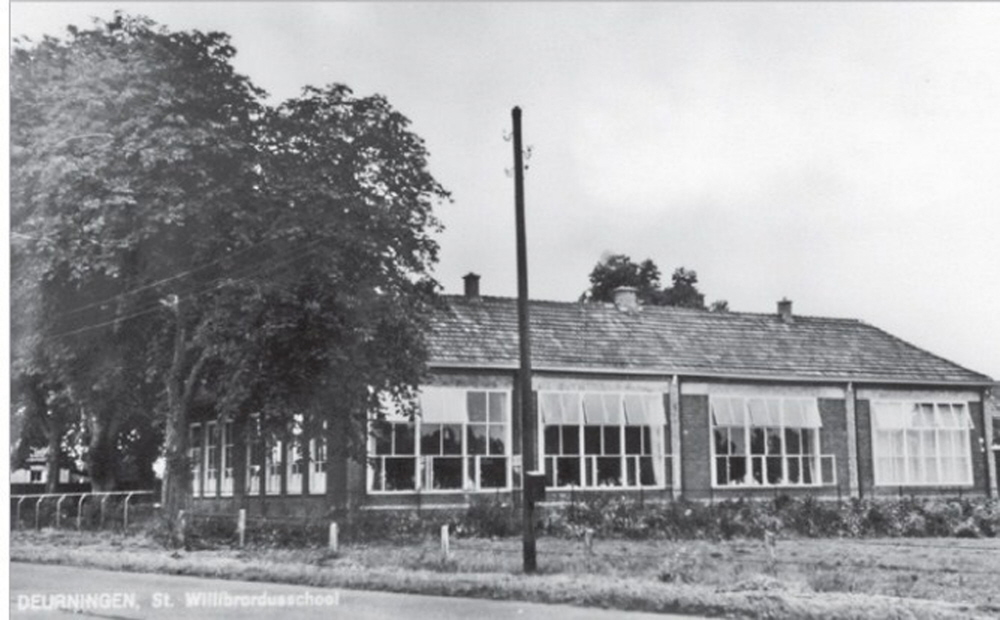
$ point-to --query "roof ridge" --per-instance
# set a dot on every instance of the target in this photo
(656, 308)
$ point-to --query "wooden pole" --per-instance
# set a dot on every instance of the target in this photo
(241, 526)
(528, 426)
(445, 543)
(334, 542)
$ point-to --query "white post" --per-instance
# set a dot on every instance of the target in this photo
(241, 525)
(676, 481)
(334, 537)
(853, 479)
(445, 546)
(588, 540)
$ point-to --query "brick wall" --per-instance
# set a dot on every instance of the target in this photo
(833, 438)
(695, 449)
(866, 471)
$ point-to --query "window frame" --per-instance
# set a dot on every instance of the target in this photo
(587, 460)
(749, 456)
(907, 406)
(423, 461)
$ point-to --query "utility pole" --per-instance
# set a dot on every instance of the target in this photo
(528, 425)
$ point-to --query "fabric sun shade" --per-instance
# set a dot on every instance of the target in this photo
(559, 408)
(645, 410)
(442, 406)
(602, 408)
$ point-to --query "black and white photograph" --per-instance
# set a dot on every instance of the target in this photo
(569, 310)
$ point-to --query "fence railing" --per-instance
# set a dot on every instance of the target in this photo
(77, 499)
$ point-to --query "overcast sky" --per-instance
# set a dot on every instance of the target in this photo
(843, 155)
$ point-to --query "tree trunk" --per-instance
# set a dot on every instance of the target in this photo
(52, 456)
(102, 465)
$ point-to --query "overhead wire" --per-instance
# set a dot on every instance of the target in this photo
(275, 267)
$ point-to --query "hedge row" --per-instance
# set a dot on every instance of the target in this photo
(622, 517)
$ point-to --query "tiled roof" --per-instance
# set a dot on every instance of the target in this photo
(482, 333)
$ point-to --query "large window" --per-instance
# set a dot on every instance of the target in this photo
(460, 441)
(227, 459)
(196, 456)
(919, 443)
(768, 441)
(603, 439)
(275, 468)
(317, 463)
(211, 458)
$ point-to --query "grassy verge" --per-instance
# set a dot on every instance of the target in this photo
(712, 579)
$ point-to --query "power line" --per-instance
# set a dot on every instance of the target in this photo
(171, 278)
(216, 284)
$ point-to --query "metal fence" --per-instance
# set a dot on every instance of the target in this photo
(91, 509)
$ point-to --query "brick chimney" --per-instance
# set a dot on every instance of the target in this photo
(626, 298)
(785, 310)
(471, 285)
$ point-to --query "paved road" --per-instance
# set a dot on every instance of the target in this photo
(39, 591)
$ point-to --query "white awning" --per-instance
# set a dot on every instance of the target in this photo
(602, 408)
(889, 416)
(645, 410)
(442, 405)
(728, 411)
(559, 407)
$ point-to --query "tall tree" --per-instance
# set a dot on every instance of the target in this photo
(270, 261)
(617, 270)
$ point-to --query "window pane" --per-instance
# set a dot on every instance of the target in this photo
(430, 439)
(612, 440)
(405, 440)
(477, 439)
(757, 469)
(737, 441)
(809, 441)
(497, 439)
(774, 441)
(793, 441)
(552, 440)
(633, 439)
(568, 472)
(774, 473)
(382, 434)
(794, 473)
(609, 471)
(757, 441)
(737, 469)
(476, 403)
(927, 419)
(721, 441)
(647, 473)
(451, 438)
(493, 472)
(400, 473)
(498, 407)
(447, 473)
(721, 471)
(571, 440)
(592, 440)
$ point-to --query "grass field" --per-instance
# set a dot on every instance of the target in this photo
(800, 578)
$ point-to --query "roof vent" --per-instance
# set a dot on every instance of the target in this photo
(626, 298)
(785, 310)
(471, 285)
